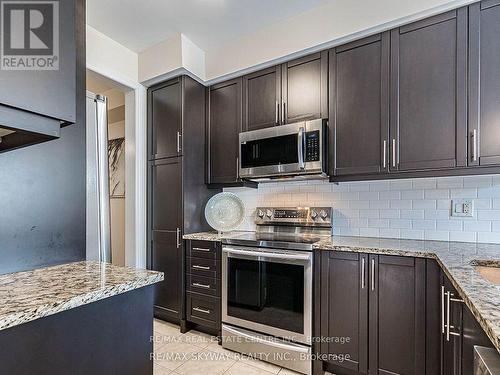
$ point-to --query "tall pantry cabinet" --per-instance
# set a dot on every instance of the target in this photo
(176, 184)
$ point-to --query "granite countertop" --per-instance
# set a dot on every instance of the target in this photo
(29, 295)
(456, 259)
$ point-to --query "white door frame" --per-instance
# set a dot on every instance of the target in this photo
(135, 167)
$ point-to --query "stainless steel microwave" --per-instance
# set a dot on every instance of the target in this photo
(294, 151)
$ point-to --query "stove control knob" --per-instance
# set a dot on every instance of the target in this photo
(314, 215)
(323, 214)
(260, 213)
(269, 214)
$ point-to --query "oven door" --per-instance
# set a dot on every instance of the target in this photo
(268, 291)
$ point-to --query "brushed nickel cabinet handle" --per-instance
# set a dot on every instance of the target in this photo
(178, 234)
(201, 249)
(448, 315)
(283, 113)
(199, 309)
(277, 120)
(474, 145)
(373, 274)
(443, 324)
(178, 142)
(237, 168)
(201, 285)
(362, 273)
(197, 267)
(385, 154)
(394, 152)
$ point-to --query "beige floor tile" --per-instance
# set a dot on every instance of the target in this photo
(240, 368)
(215, 347)
(174, 354)
(285, 371)
(158, 370)
(199, 339)
(206, 363)
(166, 328)
(266, 366)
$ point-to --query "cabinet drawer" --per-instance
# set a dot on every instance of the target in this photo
(203, 310)
(204, 249)
(202, 284)
(203, 267)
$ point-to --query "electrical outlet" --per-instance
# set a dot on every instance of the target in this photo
(462, 208)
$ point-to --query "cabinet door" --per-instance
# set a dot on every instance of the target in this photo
(484, 83)
(396, 315)
(166, 257)
(304, 88)
(166, 194)
(224, 126)
(359, 106)
(428, 93)
(50, 93)
(262, 98)
(345, 282)
(165, 116)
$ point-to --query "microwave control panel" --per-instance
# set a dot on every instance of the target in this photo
(312, 146)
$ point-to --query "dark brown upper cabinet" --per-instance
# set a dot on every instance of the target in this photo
(165, 118)
(359, 106)
(224, 126)
(262, 99)
(166, 194)
(304, 88)
(428, 93)
(484, 83)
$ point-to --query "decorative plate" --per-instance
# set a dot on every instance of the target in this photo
(225, 212)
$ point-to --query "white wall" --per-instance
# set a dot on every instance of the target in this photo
(333, 23)
(107, 57)
(410, 209)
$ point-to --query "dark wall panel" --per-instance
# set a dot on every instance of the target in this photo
(42, 191)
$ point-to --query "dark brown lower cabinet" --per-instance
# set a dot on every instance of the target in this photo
(459, 334)
(373, 313)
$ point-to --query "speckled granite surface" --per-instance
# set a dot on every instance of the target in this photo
(455, 258)
(29, 295)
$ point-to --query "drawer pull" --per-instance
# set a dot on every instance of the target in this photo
(201, 285)
(199, 309)
(207, 268)
(201, 249)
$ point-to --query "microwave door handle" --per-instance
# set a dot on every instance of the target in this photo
(300, 148)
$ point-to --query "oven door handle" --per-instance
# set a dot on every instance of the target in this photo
(261, 254)
(300, 148)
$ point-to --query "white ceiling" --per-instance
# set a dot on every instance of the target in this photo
(139, 24)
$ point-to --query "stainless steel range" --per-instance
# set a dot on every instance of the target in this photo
(267, 285)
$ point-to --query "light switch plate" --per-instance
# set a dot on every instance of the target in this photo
(462, 208)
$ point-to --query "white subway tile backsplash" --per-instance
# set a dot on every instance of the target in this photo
(424, 224)
(412, 214)
(390, 214)
(449, 225)
(450, 182)
(436, 235)
(412, 234)
(437, 194)
(463, 236)
(409, 208)
(401, 204)
(477, 226)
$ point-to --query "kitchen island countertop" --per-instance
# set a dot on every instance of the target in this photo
(29, 295)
